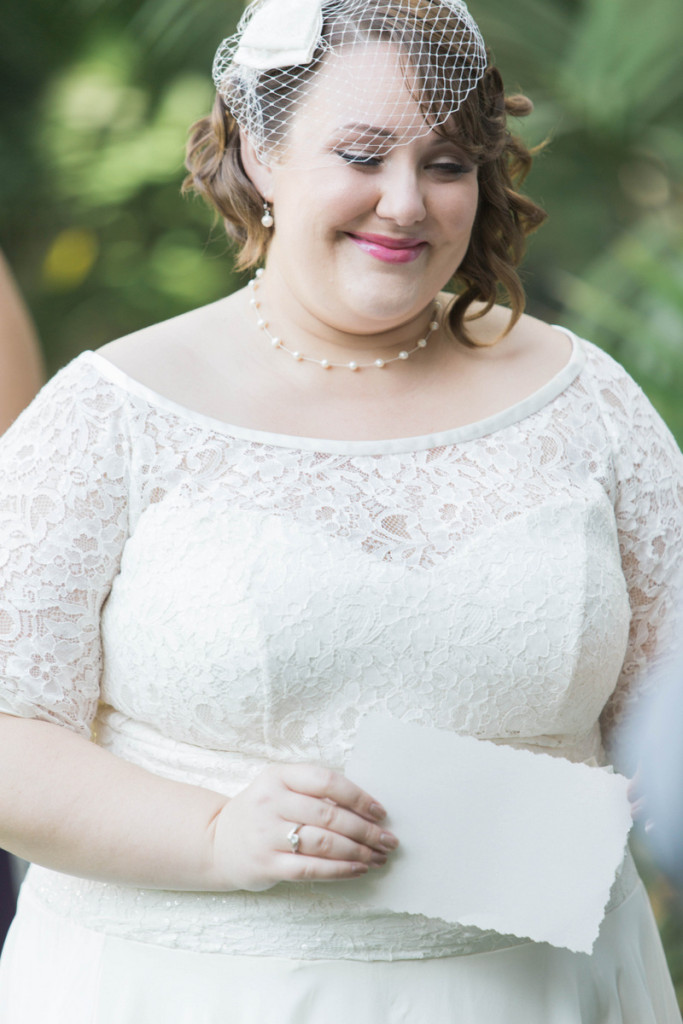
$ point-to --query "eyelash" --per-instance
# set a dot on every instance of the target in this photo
(359, 158)
(362, 160)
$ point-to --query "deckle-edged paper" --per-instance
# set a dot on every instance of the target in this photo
(503, 839)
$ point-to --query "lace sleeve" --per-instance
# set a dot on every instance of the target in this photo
(648, 492)
(63, 522)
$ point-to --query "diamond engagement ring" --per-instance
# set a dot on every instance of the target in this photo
(294, 838)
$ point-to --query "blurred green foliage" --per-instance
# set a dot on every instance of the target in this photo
(97, 96)
(97, 101)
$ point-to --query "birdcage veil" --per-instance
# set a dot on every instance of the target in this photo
(423, 58)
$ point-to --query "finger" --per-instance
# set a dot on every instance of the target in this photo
(318, 842)
(331, 817)
(325, 783)
(309, 869)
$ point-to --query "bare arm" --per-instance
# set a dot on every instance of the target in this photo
(71, 806)
(21, 367)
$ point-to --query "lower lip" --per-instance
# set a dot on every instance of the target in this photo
(386, 255)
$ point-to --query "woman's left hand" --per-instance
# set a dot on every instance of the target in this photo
(335, 828)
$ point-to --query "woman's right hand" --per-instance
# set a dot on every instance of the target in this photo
(340, 832)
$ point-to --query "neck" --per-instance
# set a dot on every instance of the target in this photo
(321, 336)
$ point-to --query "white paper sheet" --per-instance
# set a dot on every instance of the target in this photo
(521, 843)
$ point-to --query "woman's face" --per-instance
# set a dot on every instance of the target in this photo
(367, 232)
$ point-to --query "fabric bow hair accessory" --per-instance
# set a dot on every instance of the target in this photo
(280, 34)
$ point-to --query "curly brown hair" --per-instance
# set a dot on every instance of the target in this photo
(504, 216)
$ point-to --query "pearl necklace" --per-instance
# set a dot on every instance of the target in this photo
(326, 363)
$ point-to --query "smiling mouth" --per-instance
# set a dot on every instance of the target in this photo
(389, 250)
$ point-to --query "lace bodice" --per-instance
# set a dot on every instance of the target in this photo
(204, 599)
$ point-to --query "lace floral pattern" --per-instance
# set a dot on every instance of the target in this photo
(206, 599)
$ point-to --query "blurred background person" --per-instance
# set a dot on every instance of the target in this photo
(21, 363)
(656, 740)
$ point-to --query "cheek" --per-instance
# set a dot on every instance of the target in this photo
(317, 210)
(348, 203)
(474, 201)
(458, 213)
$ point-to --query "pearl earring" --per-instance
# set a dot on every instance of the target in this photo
(267, 218)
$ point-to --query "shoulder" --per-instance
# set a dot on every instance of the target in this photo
(542, 350)
(640, 438)
(621, 400)
(160, 354)
(529, 338)
(523, 358)
(76, 393)
(97, 386)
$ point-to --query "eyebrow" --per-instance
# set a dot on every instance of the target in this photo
(367, 129)
(374, 131)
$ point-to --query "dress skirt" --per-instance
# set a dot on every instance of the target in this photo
(54, 971)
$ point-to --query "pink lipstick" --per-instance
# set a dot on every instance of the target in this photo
(387, 249)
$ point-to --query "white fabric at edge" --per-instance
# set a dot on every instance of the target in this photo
(117, 981)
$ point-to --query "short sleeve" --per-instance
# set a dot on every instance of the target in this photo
(63, 523)
(648, 507)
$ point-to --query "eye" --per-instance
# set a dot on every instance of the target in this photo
(359, 159)
(452, 168)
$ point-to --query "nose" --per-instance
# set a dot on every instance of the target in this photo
(401, 199)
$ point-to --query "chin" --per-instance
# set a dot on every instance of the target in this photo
(387, 299)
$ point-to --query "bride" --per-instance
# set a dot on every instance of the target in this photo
(230, 536)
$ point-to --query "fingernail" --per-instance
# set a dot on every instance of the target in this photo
(358, 869)
(378, 858)
(377, 811)
(388, 841)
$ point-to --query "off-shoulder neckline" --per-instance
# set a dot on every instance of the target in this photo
(374, 446)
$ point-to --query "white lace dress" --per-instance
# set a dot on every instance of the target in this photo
(204, 599)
